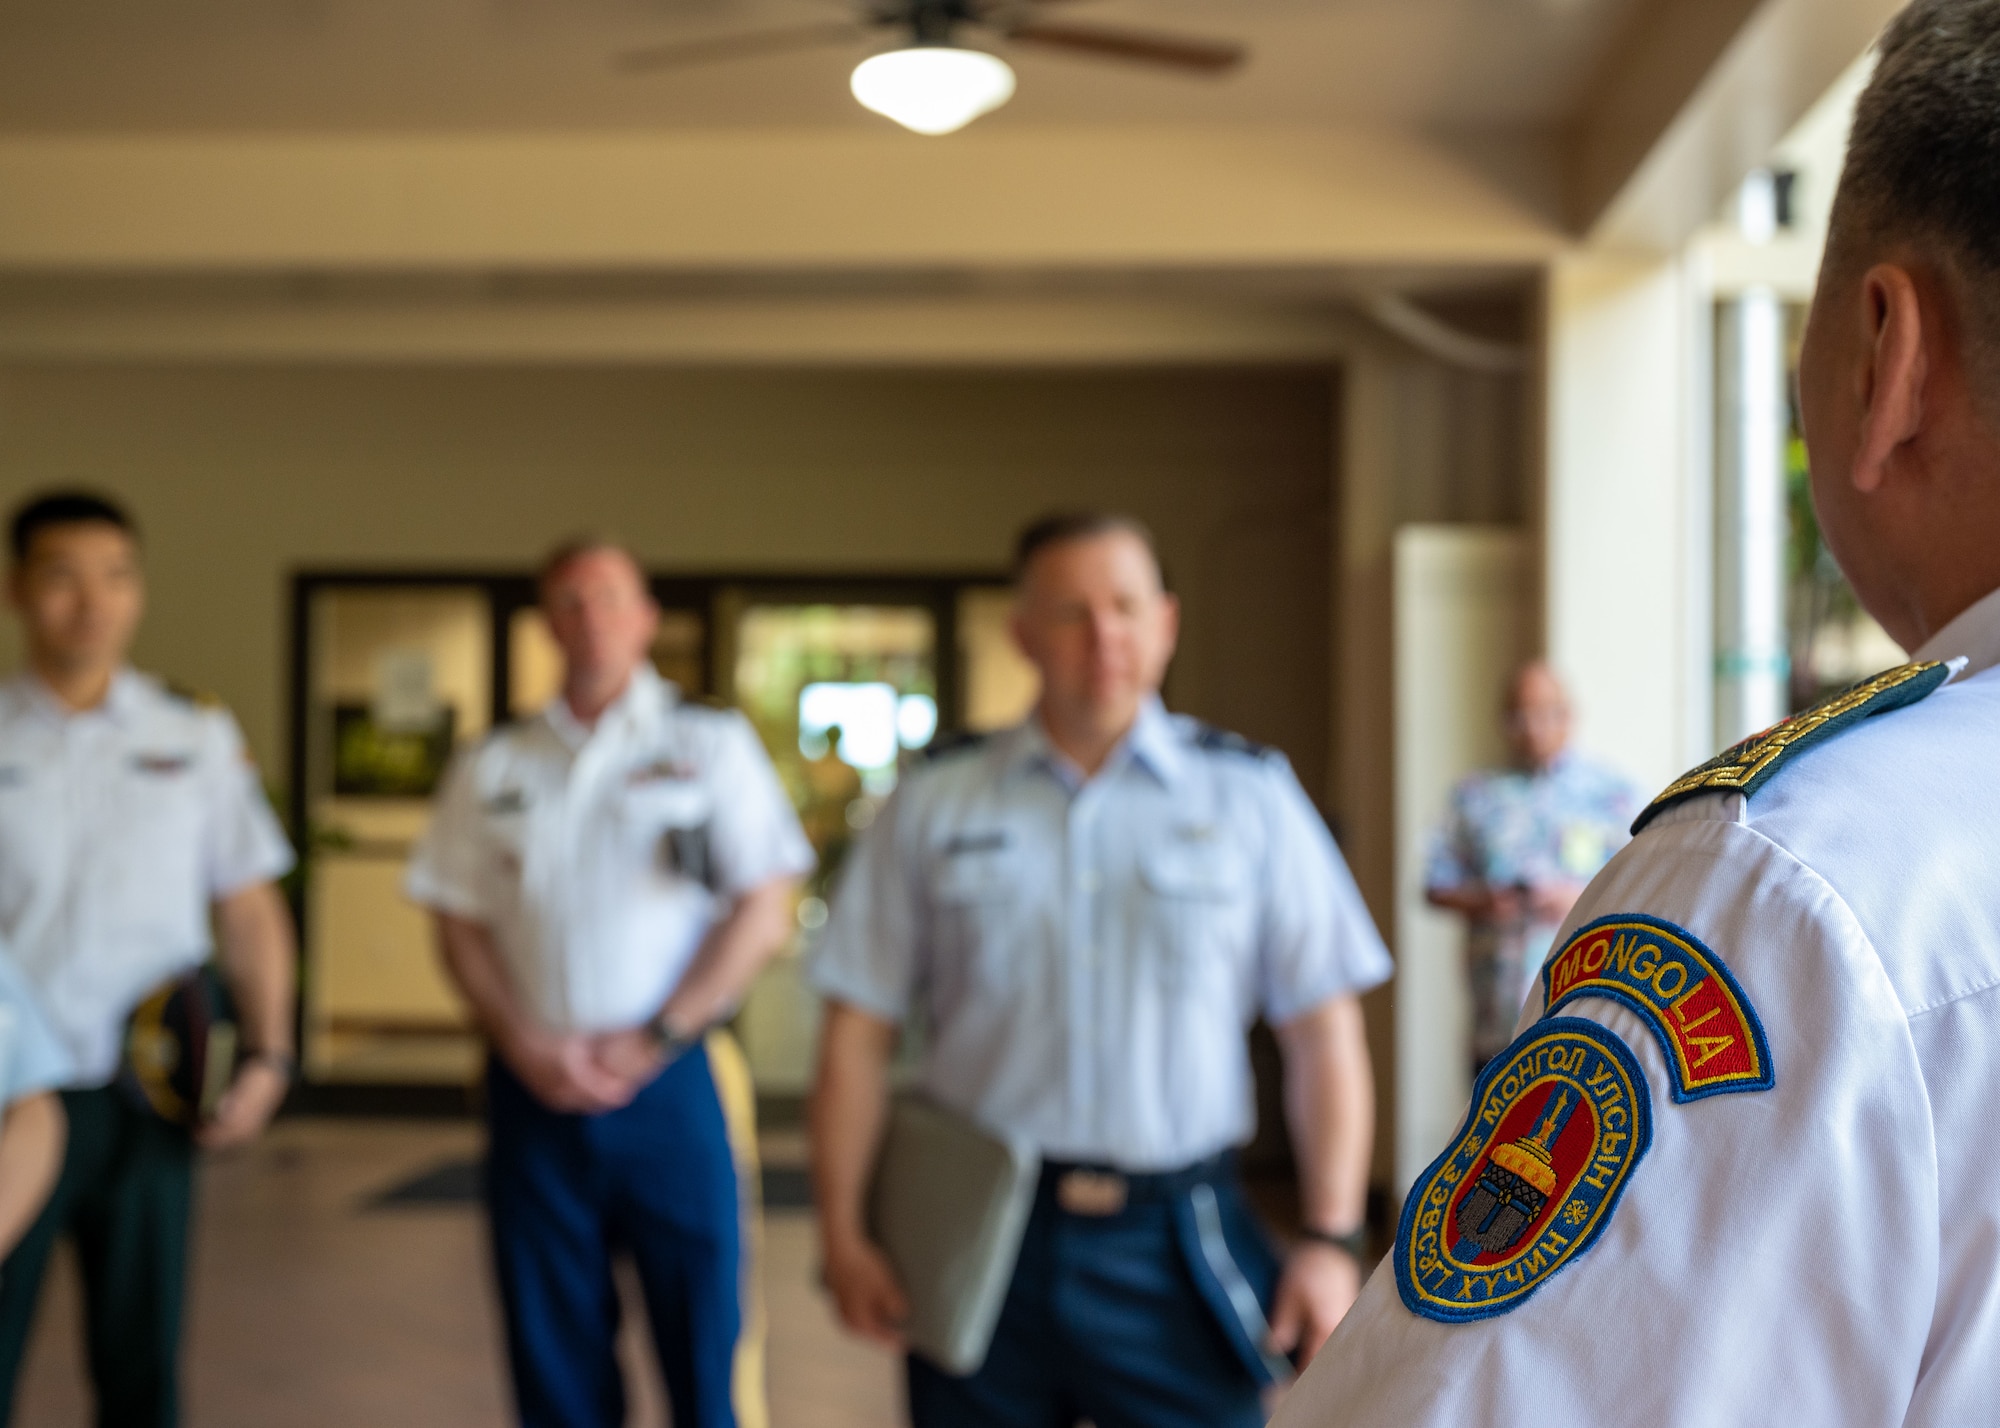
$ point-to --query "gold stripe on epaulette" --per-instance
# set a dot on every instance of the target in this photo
(1742, 763)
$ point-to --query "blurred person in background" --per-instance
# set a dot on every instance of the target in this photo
(1517, 848)
(131, 823)
(607, 878)
(1086, 913)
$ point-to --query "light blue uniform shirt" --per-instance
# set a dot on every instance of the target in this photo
(32, 1059)
(1085, 957)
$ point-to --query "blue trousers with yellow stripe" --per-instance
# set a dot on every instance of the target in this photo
(656, 1180)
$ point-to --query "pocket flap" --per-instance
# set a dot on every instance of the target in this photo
(1195, 872)
(979, 876)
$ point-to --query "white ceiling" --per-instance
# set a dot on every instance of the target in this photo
(473, 65)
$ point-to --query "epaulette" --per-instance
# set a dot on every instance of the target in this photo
(199, 698)
(706, 701)
(958, 742)
(1226, 741)
(1746, 767)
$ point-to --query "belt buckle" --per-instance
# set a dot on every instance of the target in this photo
(1092, 1193)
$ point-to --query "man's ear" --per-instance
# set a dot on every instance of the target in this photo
(1895, 372)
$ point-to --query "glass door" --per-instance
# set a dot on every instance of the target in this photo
(396, 677)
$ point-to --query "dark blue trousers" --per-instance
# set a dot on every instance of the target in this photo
(566, 1193)
(1125, 1320)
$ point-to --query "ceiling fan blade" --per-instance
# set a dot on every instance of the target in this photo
(749, 45)
(1147, 46)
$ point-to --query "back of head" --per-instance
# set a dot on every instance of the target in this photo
(1923, 158)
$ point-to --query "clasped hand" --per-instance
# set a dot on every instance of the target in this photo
(586, 1074)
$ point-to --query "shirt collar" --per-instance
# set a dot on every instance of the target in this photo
(646, 697)
(1151, 742)
(121, 700)
(1973, 634)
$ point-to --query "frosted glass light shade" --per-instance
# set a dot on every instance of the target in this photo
(933, 89)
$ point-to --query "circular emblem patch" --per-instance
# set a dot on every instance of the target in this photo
(1559, 1122)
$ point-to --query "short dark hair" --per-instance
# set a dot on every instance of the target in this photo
(64, 508)
(565, 551)
(1061, 527)
(1923, 157)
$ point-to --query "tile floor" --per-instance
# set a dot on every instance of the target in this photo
(309, 1309)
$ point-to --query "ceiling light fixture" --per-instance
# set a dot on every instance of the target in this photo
(933, 89)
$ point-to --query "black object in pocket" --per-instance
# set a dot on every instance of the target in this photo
(686, 853)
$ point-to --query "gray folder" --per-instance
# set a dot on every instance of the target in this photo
(948, 1205)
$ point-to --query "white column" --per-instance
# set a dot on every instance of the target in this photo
(1625, 558)
(1751, 660)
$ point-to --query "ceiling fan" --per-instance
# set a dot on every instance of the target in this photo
(930, 83)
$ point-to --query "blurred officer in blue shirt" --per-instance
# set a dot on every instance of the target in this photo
(1517, 848)
(1086, 913)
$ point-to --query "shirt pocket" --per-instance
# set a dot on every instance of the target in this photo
(980, 903)
(667, 826)
(1196, 912)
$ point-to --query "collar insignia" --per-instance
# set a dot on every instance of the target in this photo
(1746, 767)
(1709, 1032)
(1558, 1125)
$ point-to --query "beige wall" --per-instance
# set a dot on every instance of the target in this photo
(242, 475)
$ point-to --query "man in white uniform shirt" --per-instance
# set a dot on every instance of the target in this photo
(1738, 1166)
(607, 878)
(130, 820)
(1087, 913)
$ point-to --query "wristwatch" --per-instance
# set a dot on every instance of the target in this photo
(670, 1042)
(282, 1062)
(1354, 1243)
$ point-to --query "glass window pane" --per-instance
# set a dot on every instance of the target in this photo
(1000, 684)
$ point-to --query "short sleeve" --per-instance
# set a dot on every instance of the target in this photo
(1319, 941)
(755, 835)
(32, 1059)
(1446, 863)
(446, 872)
(246, 845)
(1766, 1255)
(867, 954)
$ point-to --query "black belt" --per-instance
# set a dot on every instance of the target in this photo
(1095, 1191)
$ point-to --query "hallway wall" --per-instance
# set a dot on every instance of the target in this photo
(240, 475)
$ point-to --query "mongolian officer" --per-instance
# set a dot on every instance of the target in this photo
(607, 878)
(131, 822)
(1737, 1167)
(1086, 913)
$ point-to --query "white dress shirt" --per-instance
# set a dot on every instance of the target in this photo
(1819, 1252)
(1086, 956)
(119, 827)
(599, 857)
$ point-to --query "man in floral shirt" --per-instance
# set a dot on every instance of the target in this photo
(1517, 848)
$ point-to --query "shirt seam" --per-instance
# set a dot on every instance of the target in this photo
(1847, 908)
(1910, 1013)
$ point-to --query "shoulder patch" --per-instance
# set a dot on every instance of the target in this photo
(199, 698)
(1709, 1032)
(1559, 1123)
(1225, 741)
(1746, 767)
(958, 742)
